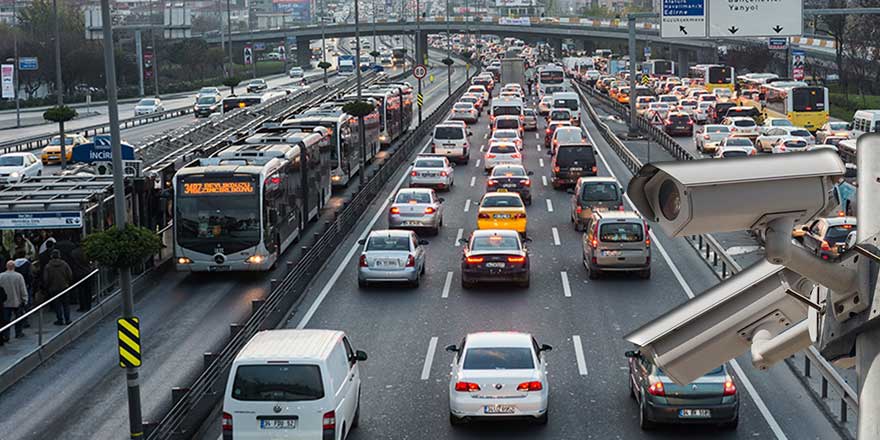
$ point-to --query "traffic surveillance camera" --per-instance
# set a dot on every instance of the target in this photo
(720, 324)
(703, 196)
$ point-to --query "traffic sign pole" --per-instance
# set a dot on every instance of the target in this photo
(420, 101)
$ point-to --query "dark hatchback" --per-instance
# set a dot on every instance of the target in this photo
(494, 256)
(678, 124)
(572, 161)
(511, 178)
(711, 399)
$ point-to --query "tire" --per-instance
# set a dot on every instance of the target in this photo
(731, 426)
(544, 417)
(465, 284)
(415, 283)
(645, 274)
(434, 231)
(644, 423)
(455, 421)
(593, 273)
(524, 284)
(528, 201)
(363, 284)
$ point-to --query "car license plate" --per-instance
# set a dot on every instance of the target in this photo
(502, 216)
(429, 174)
(411, 223)
(278, 423)
(509, 185)
(607, 253)
(502, 190)
(495, 264)
(220, 268)
(694, 413)
(575, 169)
(386, 263)
(499, 409)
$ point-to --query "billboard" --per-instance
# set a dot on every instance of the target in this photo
(514, 3)
(300, 11)
(797, 64)
(8, 70)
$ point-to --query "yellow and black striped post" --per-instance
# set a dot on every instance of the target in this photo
(420, 99)
(129, 335)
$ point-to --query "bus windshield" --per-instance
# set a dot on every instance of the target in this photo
(551, 77)
(808, 99)
(217, 214)
(719, 75)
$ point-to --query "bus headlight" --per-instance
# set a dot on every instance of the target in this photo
(255, 259)
(184, 260)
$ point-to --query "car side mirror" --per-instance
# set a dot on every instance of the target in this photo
(470, 133)
(424, 242)
(452, 348)
(530, 173)
(360, 355)
(633, 354)
(463, 241)
(362, 241)
(441, 199)
(570, 190)
(545, 347)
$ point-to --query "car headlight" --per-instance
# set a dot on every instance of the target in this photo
(15, 175)
(255, 259)
(184, 260)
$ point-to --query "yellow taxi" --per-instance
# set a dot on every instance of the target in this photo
(623, 95)
(52, 152)
(502, 210)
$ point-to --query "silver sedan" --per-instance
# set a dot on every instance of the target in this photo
(432, 171)
(391, 256)
(416, 208)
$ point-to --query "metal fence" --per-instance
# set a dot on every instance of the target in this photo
(714, 254)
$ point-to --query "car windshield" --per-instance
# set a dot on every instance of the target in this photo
(688, 103)
(506, 110)
(717, 129)
(207, 100)
(530, 112)
(744, 123)
(508, 172)
(738, 142)
(274, 383)
(57, 141)
(620, 232)
(495, 243)
(569, 153)
(388, 243)
(147, 102)
(463, 106)
(781, 123)
(498, 358)
(502, 149)
(600, 192)
(256, 82)
(11, 161)
(668, 99)
(413, 197)
(429, 163)
(207, 90)
(569, 135)
(448, 133)
(801, 133)
(502, 202)
(838, 125)
(679, 119)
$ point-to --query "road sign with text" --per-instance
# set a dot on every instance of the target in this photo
(683, 19)
(28, 63)
(777, 18)
(777, 43)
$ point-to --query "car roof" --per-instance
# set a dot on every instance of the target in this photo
(391, 233)
(415, 190)
(740, 118)
(596, 179)
(500, 194)
(838, 221)
(22, 154)
(618, 215)
(490, 232)
(499, 339)
(507, 117)
(303, 344)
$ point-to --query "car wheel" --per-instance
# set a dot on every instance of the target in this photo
(731, 425)
(455, 421)
(529, 201)
(644, 423)
(593, 273)
(544, 417)
(465, 284)
(417, 281)
(645, 274)
(357, 413)
(363, 284)
(524, 284)
(434, 231)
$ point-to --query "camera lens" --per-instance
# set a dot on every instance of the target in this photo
(670, 200)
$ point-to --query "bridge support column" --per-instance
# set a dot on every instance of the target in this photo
(683, 60)
(303, 53)
(556, 45)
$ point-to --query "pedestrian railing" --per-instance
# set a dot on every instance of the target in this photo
(717, 258)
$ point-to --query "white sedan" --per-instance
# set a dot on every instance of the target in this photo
(16, 166)
(497, 375)
(148, 105)
(506, 135)
(433, 171)
(501, 153)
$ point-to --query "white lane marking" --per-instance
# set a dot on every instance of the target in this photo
(759, 402)
(429, 358)
(566, 288)
(579, 355)
(447, 285)
(537, 136)
(486, 136)
(556, 237)
(473, 180)
(458, 236)
(477, 165)
(539, 148)
(549, 205)
(467, 205)
(544, 180)
(541, 161)
(345, 261)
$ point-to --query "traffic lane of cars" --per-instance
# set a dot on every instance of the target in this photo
(420, 405)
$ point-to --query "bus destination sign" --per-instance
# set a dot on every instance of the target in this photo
(225, 187)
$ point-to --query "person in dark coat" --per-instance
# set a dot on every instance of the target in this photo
(24, 267)
(57, 277)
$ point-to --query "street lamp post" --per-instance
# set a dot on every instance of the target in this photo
(59, 85)
(155, 53)
(17, 82)
(135, 423)
(357, 63)
(448, 51)
(323, 41)
(229, 37)
(375, 48)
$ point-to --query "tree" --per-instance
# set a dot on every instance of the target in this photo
(231, 82)
(121, 248)
(836, 27)
(59, 113)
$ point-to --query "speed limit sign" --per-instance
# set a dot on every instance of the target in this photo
(420, 71)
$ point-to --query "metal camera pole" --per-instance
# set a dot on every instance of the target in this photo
(135, 423)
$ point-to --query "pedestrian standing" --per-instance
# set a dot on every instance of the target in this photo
(25, 268)
(57, 277)
(16, 297)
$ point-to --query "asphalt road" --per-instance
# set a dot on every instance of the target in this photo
(405, 384)
(80, 392)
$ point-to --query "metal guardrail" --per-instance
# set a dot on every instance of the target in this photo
(713, 253)
(194, 405)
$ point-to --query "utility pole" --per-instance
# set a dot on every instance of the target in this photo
(375, 48)
(139, 53)
(420, 59)
(448, 52)
(155, 53)
(357, 63)
(229, 37)
(252, 42)
(59, 85)
(17, 81)
(323, 40)
(135, 423)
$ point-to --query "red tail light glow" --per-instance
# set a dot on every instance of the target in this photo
(474, 260)
(430, 210)
(578, 209)
(595, 169)
(466, 387)
(329, 420)
(516, 155)
(491, 183)
(490, 156)
(825, 246)
(656, 388)
(530, 386)
(519, 215)
(516, 259)
(443, 174)
(410, 261)
(483, 215)
(395, 210)
(414, 174)
(226, 423)
(527, 182)
(363, 261)
(729, 387)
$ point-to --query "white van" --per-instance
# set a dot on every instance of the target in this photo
(865, 121)
(506, 107)
(570, 101)
(293, 384)
(450, 139)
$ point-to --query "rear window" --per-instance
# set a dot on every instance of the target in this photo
(568, 154)
(388, 243)
(506, 111)
(463, 106)
(570, 104)
(448, 133)
(502, 202)
(744, 123)
(679, 119)
(498, 358)
(507, 123)
(413, 197)
(429, 163)
(565, 136)
(502, 149)
(739, 142)
(668, 99)
(621, 232)
(600, 192)
(508, 172)
(530, 112)
(838, 234)
(718, 129)
(495, 243)
(803, 133)
(274, 383)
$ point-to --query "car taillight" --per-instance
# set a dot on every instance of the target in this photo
(490, 156)
(414, 174)
(656, 388)
(430, 210)
(329, 421)
(482, 215)
(512, 259)
(729, 387)
(443, 173)
(519, 215)
(548, 131)
(516, 155)
(491, 183)
(410, 261)
(825, 246)
(527, 182)
(732, 129)
(530, 386)
(466, 387)
(690, 122)
(705, 136)
(555, 169)
(395, 210)
(595, 169)
(363, 261)
(620, 207)
(578, 209)
(226, 422)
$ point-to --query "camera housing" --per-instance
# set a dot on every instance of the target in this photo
(702, 196)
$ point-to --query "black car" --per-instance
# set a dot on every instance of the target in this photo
(718, 111)
(570, 162)
(678, 124)
(257, 85)
(711, 399)
(494, 255)
(511, 178)
(205, 105)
